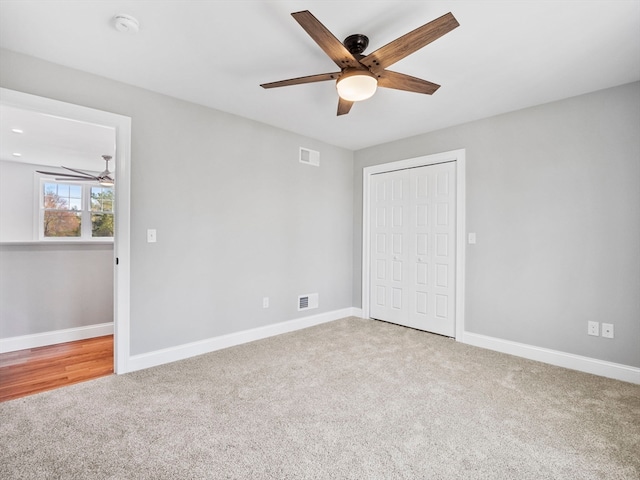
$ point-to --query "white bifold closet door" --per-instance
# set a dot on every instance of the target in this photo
(413, 233)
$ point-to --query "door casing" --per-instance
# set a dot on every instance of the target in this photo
(457, 156)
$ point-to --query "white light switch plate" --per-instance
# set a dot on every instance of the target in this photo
(151, 235)
(472, 238)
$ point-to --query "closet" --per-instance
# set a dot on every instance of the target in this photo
(413, 240)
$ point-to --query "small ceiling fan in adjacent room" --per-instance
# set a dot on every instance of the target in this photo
(360, 75)
(104, 178)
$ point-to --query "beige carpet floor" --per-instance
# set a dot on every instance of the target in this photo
(350, 399)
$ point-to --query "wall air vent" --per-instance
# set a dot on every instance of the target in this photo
(310, 157)
(307, 302)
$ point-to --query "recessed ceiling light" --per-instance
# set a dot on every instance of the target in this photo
(16, 154)
(126, 23)
(17, 130)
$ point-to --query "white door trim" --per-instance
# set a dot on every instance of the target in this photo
(457, 156)
(122, 240)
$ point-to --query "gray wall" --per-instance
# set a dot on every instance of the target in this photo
(47, 287)
(553, 193)
(237, 216)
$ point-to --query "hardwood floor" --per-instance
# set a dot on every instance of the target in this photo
(35, 370)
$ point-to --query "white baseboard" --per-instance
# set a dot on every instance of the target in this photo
(561, 359)
(12, 344)
(181, 352)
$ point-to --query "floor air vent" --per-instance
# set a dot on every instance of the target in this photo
(310, 157)
(307, 302)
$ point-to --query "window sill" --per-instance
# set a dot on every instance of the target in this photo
(59, 242)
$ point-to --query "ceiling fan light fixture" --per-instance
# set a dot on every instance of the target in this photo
(356, 85)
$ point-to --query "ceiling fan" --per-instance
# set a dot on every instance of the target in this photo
(104, 178)
(360, 75)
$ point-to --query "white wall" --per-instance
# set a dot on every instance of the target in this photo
(238, 217)
(17, 202)
(553, 193)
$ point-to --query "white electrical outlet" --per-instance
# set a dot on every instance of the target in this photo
(265, 302)
(593, 328)
(607, 330)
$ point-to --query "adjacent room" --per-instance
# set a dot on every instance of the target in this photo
(322, 239)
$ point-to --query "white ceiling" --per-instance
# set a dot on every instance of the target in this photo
(44, 139)
(506, 55)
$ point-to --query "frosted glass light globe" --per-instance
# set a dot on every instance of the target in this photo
(357, 85)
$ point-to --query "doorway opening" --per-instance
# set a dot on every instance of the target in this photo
(121, 125)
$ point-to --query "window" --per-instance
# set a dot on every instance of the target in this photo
(62, 210)
(75, 210)
(102, 211)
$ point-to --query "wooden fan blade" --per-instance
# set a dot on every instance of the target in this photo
(58, 174)
(321, 77)
(344, 106)
(400, 81)
(409, 43)
(326, 40)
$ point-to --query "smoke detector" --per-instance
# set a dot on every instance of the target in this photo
(126, 23)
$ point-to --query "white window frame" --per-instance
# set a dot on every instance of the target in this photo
(86, 225)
